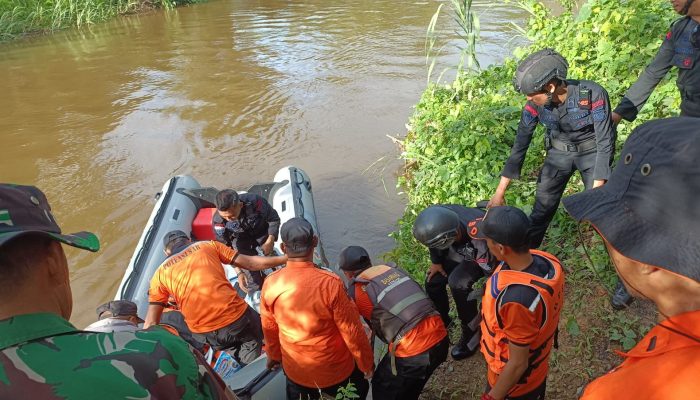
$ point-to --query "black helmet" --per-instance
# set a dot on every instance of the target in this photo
(436, 227)
(536, 70)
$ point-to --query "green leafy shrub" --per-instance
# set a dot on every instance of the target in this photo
(461, 134)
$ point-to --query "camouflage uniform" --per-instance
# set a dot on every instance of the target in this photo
(43, 356)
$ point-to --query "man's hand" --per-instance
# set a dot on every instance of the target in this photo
(616, 118)
(496, 200)
(598, 183)
(272, 364)
(243, 281)
(268, 246)
(436, 269)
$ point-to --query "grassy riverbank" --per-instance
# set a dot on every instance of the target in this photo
(22, 17)
(460, 136)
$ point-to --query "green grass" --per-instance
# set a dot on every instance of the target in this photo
(21, 17)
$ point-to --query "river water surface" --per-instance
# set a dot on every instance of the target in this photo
(228, 91)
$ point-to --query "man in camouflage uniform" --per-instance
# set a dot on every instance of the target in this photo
(43, 356)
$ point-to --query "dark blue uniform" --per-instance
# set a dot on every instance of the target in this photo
(256, 222)
(580, 137)
(676, 51)
(465, 261)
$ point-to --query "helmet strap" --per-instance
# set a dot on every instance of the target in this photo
(550, 95)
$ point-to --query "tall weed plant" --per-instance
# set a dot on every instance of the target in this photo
(21, 17)
(461, 134)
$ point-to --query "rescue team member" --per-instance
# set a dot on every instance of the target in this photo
(244, 222)
(116, 316)
(520, 308)
(402, 316)
(43, 356)
(680, 49)
(457, 261)
(311, 327)
(580, 135)
(194, 277)
(649, 218)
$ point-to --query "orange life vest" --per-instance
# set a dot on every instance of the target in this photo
(494, 344)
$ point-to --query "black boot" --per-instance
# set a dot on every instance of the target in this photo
(620, 298)
(466, 347)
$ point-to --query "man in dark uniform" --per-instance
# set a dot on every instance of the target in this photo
(580, 134)
(457, 261)
(246, 222)
(681, 49)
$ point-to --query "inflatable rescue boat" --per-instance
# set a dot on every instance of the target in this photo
(184, 205)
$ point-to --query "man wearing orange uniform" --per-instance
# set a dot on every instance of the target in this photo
(402, 316)
(649, 218)
(311, 326)
(194, 277)
(520, 308)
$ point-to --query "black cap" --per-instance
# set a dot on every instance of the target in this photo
(25, 209)
(506, 225)
(648, 210)
(354, 258)
(119, 308)
(173, 235)
(297, 235)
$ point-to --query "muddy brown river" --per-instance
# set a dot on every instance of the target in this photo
(229, 92)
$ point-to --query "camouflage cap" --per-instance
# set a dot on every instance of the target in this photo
(25, 209)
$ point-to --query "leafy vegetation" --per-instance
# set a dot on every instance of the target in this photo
(20, 17)
(461, 134)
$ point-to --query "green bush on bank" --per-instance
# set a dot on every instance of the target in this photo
(461, 134)
(19, 17)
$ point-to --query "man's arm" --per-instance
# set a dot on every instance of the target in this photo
(273, 220)
(521, 327)
(258, 263)
(639, 92)
(514, 369)
(511, 170)
(252, 263)
(347, 319)
(604, 137)
(270, 329)
(155, 310)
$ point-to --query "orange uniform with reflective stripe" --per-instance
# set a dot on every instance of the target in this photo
(312, 326)
(196, 280)
(663, 365)
(534, 327)
(429, 332)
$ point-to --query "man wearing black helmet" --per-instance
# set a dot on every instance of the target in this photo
(580, 135)
(457, 261)
(681, 49)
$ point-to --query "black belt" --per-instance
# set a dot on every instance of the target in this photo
(586, 145)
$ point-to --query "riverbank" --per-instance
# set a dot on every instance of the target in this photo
(460, 136)
(20, 18)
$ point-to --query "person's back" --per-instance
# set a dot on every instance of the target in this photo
(303, 299)
(196, 279)
(311, 326)
(43, 356)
